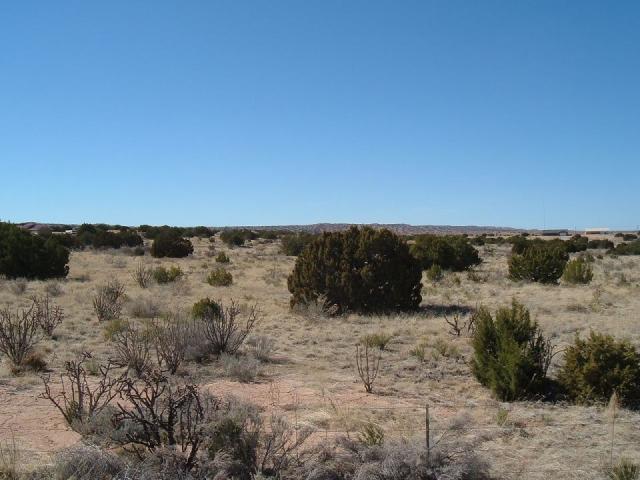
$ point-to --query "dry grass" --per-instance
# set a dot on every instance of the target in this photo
(311, 373)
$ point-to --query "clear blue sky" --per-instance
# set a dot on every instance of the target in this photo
(515, 113)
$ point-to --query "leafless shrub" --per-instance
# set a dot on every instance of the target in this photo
(261, 346)
(108, 301)
(142, 275)
(19, 333)
(158, 415)
(225, 330)
(133, 349)
(170, 341)
(458, 326)
(367, 364)
(18, 286)
(279, 443)
(49, 315)
(77, 399)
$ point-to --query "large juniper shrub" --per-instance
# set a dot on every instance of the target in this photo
(631, 248)
(450, 252)
(362, 270)
(168, 244)
(539, 263)
(293, 244)
(511, 356)
(23, 255)
(596, 367)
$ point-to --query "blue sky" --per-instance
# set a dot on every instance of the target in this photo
(512, 113)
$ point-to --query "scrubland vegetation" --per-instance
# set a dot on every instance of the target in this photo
(163, 352)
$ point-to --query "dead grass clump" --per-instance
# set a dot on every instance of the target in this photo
(242, 368)
(87, 462)
(144, 307)
(378, 340)
(261, 346)
(53, 288)
(10, 459)
(18, 286)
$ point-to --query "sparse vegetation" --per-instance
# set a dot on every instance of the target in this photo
(108, 301)
(578, 271)
(163, 275)
(19, 333)
(219, 277)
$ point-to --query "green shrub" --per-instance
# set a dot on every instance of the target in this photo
(379, 340)
(363, 270)
(205, 307)
(631, 248)
(222, 258)
(600, 244)
(164, 275)
(293, 244)
(170, 245)
(237, 237)
(538, 263)
(23, 255)
(450, 252)
(511, 356)
(434, 273)
(578, 271)
(219, 277)
(596, 367)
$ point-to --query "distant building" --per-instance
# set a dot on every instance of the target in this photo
(596, 231)
(562, 232)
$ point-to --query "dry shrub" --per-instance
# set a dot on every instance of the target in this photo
(227, 328)
(142, 275)
(10, 459)
(18, 286)
(108, 301)
(19, 333)
(49, 314)
(144, 307)
(241, 368)
(133, 349)
(53, 288)
(170, 342)
(87, 462)
(261, 346)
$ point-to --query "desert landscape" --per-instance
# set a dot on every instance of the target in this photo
(301, 363)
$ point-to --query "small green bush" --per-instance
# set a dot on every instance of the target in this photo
(600, 244)
(170, 245)
(578, 271)
(219, 277)
(511, 356)
(631, 248)
(237, 237)
(538, 263)
(596, 367)
(379, 340)
(164, 275)
(362, 270)
(450, 252)
(222, 258)
(624, 470)
(205, 307)
(434, 273)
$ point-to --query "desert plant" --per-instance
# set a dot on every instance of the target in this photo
(142, 275)
(379, 340)
(78, 399)
(164, 275)
(241, 368)
(458, 326)
(113, 327)
(31, 256)
(133, 349)
(538, 263)
(450, 252)
(205, 306)
(371, 434)
(578, 271)
(10, 459)
(294, 244)
(261, 346)
(19, 333)
(53, 288)
(363, 270)
(222, 258)
(511, 356)
(596, 367)
(170, 342)
(225, 329)
(156, 414)
(88, 462)
(434, 273)
(624, 470)
(18, 286)
(144, 307)
(219, 277)
(49, 314)
(108, 301)
(170, 244)
(368, 365)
